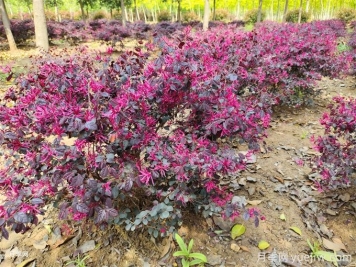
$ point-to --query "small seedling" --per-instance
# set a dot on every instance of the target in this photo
(320, 254)
(188, 258)
(78, 262)
(304, 134)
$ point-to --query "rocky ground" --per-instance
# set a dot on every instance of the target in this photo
(278, 183)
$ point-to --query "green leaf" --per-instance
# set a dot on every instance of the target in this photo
(263, 245)
(180, 253)
(199, 256)
(296, 229)
(24, 263)
(282, 217)
(311, 246)
(237, 230)
(190, 246)
(185, 263)
(181, 243)
(195, 262)
(328, 256)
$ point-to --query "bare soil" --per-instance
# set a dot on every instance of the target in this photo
(276, 184)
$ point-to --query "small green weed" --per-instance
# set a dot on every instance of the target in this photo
(188, 258)
(78, 262)
(342, 47)
(304, 134)
(318, 254)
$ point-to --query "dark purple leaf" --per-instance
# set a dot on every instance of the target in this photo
(8, 78)
(102, 215)
(36, 201)
(91, 125)
(5, 233)
(22, 217)
(112, 212)
(82, 207)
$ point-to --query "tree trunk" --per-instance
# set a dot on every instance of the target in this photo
(144, 14)
(40, 25)
(238, 9)
(300, 12)
(81, 4)
(10, 8)
(214, 10)
(307, 6)
(278, 10)
(123, 15)
(206, 15)
(21, 14)
(329, 9)
(178, 11)
(7, 27)
(137, 13)
(285, 11)
(56, 13)
(126, 14)
(259, 14)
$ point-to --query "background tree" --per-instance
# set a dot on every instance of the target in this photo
(300, 11)
(123, 15)
(214, 9)
(179, 8)
(136, 10)
(259, 13)
(27, 4)
(40, 25)
(7, 27)
(206, 15)
(117, 5)
(55, 4)
(84, 5)
(285, 11)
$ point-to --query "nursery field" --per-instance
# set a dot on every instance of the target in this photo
(241, 141)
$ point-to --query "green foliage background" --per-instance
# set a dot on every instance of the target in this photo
(315, 7)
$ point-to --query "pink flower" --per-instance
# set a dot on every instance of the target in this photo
(210, 186)
(107, 188)
(145, 176)
(79, 216)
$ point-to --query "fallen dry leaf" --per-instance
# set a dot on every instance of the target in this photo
(338, 241)
(40, 244)
(61, 241)
(331, 212)
(345, 197)
(244, 248)
(254, 202)
(280, 179)
(296, 230)
(324, 229)
(24, 263)
(235, 247)
(167, 247)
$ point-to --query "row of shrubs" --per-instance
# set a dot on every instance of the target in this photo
(104, 30)
(113, 31)
(147, 132)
